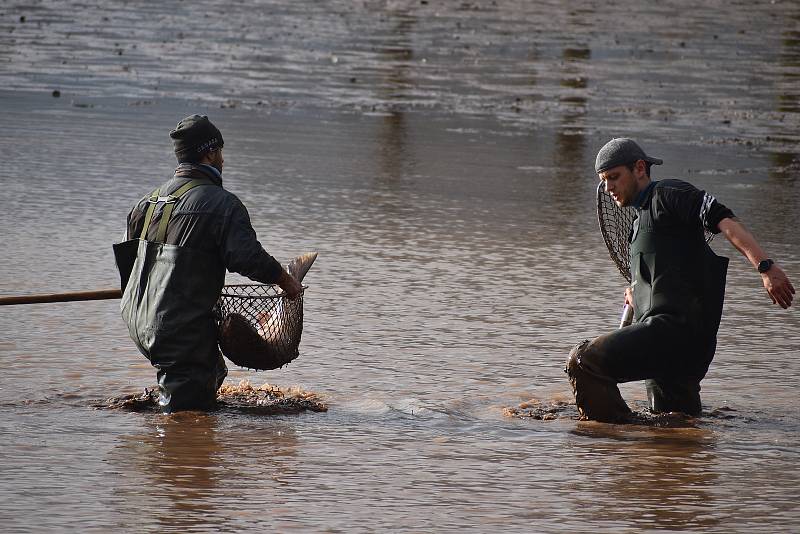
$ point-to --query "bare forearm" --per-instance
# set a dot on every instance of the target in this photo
(743, 240)
(775, 281)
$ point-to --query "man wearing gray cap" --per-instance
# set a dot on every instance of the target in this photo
(181, 238)
(677, 289)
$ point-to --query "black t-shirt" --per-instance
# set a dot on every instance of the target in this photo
(688, 205)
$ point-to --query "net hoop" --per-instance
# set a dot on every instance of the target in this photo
(616, 225)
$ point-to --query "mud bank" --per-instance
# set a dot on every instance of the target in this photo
(726, 73)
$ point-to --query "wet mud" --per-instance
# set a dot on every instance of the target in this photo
(543, 410)
(266, 399)
(528, 64)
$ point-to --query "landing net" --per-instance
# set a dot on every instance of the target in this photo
(259, 327)
(616, 224)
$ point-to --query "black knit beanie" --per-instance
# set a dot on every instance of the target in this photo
(193, 137)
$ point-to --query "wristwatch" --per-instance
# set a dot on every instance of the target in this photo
(763, 266)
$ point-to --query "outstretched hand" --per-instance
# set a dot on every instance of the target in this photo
(775, 281)
(778, 286)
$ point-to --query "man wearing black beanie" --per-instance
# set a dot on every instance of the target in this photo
(195, 137)
(182, 238)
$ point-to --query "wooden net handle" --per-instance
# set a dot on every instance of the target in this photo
(101, 294)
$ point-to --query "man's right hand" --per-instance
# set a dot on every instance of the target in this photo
(290, 286)
(778, 286)
(629, 296)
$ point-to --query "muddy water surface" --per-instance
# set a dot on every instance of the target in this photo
(438, 156)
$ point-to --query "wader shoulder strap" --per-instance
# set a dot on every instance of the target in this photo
(169, 203)
(149, 215)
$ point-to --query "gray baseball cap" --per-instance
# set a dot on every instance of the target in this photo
(621, 151)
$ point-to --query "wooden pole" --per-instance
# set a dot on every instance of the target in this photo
(100, 294)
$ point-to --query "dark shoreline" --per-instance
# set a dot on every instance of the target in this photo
(697, 73)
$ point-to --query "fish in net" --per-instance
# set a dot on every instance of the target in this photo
(258, 327)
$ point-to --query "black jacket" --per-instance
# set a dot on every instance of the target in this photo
(212, 220)
(170, 288)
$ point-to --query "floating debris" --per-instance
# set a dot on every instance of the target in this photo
(266, 399)
(536, 409)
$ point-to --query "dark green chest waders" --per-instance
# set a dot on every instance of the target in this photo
(168, 296)
(681, 282)
(679, 279)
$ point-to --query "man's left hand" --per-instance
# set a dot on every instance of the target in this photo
(290, 285)
(778, 286)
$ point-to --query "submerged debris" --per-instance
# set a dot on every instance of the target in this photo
(266, 399)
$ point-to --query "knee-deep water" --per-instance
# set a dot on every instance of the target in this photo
(439, 158)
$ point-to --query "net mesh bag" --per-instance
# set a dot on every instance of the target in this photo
(616, 224)
(259, 328)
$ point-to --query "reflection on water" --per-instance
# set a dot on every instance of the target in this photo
(188, 464)
(786, 163)
(569, 150)
(394, 158)
(649, 479)
(182, 456)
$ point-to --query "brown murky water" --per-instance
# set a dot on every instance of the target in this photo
(438, 155)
